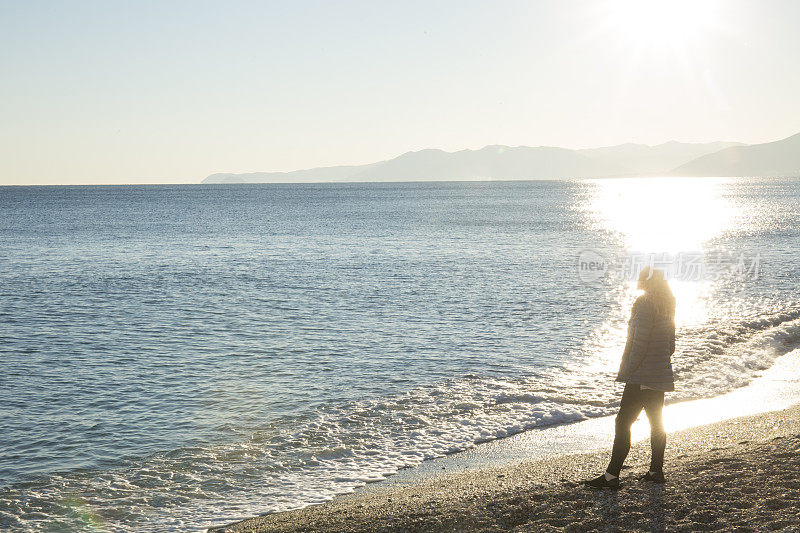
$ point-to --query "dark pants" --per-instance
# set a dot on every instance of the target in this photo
(634, 399)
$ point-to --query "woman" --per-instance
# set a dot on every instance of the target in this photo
(646, 370)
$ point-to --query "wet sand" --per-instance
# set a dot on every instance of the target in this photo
(741, 474)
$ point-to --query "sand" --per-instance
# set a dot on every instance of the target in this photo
(741, 474)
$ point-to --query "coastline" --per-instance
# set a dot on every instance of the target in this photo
(531, 480)
(739, 473)
(773, 388)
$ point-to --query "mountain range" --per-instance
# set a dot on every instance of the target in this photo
(546, 162)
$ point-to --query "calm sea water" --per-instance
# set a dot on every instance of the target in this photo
(178, 356)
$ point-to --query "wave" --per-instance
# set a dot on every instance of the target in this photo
(718, 359)
(292, 463)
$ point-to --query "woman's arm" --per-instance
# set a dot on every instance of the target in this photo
(672, 341)
(639, 331)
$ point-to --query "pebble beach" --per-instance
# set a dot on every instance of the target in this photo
(740, 474)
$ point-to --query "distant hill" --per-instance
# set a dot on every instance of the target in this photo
(779, 158)
(642, 159)
(499, 162)
(315, 174)
(490, 162)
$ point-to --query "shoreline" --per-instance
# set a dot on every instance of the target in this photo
(776, 388)
(738, 473)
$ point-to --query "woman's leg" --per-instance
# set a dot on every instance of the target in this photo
(629, 409)
(653, 406)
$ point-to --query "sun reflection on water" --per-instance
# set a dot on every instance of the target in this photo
(662, 215)
(657, 216)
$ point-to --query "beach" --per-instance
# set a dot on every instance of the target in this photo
(738, 474)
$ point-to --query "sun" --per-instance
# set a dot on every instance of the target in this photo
(661, 23)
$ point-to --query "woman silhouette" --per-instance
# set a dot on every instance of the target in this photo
(646, 370)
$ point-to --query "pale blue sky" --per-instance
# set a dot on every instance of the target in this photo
(121, 92)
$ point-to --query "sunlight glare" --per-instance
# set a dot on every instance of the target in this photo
(657, 216)
(662, 215)
(660, 23)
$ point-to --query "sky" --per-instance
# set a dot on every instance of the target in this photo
(171, 91)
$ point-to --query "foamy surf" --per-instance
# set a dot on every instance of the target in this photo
(294, 463)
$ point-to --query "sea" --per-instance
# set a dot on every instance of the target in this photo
(177, 357)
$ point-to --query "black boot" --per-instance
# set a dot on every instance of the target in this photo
(602, 483)
(654, 477)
